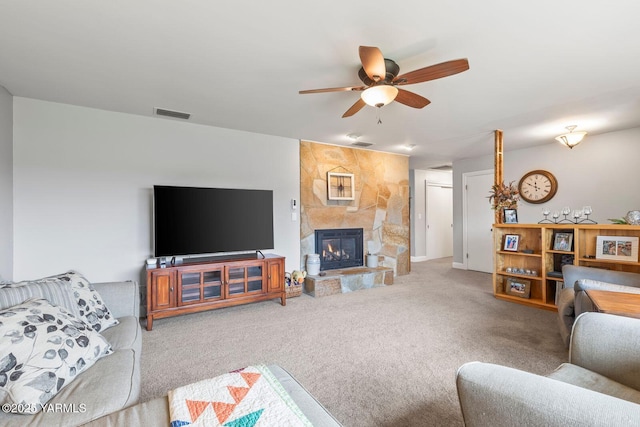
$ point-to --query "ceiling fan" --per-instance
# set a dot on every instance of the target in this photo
(380, 76)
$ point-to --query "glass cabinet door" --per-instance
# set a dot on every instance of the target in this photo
(254, 278)
(243, 280)
(212, 284)
(200, 286)
(189, 288)
(236, 281)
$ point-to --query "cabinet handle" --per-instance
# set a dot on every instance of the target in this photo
(171, 289)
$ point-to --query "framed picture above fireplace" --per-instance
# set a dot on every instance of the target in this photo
(340, 186)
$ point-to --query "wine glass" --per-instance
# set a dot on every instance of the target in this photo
(587, 211)
(545, 212)
(577, 213)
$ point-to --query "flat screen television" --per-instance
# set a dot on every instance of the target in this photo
(192, 220)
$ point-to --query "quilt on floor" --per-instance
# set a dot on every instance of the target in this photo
(249, 397)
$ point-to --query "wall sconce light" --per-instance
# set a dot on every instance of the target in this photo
(572, 138)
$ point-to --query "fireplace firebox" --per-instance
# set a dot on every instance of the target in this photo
(340, 248)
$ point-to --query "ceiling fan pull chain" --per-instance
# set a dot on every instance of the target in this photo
(378, 114)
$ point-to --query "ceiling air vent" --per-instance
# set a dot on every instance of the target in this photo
(361, 144)
(171, 113)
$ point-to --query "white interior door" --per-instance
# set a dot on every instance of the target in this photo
(478, 218)
(439, 221)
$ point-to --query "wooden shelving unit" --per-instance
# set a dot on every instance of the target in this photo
(538, 239)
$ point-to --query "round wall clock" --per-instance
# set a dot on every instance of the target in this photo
(537, 186)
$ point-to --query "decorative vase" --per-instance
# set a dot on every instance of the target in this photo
(633, 217)
(372, 261)
(313, 264)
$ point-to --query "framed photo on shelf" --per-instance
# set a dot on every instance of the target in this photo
(511, 242)
(510, 216)
(563, 242)
(619, 248)
(518, 287)
(340, 186)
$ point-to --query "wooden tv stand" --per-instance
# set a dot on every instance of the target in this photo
(220, 282)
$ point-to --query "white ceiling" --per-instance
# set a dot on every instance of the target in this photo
(535, 67)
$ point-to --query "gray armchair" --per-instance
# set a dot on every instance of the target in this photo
(599, 386)
(573, 301)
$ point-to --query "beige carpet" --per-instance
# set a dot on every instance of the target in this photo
(377, 357)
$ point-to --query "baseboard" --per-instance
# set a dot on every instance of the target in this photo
(459, 265)
(418, 258)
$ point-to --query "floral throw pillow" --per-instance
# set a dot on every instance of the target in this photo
(92, 309)
(42, 349)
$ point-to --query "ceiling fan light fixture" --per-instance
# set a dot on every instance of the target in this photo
(379, 96)
(572, 138)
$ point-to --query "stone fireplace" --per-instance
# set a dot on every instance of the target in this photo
(380, 205)
(340, 248)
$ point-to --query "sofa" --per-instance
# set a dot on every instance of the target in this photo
(155, 412)
(598, 386)
(112, 383)
(573, 299)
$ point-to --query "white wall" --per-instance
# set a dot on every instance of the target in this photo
(83, 182)
(601, 172)
(6, 184)
(418, 181)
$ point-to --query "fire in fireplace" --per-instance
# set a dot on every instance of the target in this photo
(340, 248)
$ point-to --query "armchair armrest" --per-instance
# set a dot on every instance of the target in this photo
(492, 395)
(582, 301)
(121, 298)
(608, 345)
(566, 314)
(584, 284)
(572, 273)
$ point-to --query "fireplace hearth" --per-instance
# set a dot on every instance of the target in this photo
(340, 248)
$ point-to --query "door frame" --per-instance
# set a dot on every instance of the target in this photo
(465, 225)
(426, 210)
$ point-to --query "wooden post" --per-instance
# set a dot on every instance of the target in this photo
(497, 168)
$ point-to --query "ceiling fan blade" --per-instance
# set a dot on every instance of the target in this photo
(333, 89)
(411, 99)
(354, 108)
(433, 72)
(372, 62)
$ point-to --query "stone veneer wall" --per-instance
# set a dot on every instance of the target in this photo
(381, 205)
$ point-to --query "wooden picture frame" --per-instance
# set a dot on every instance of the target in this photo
(510, 216)
(340, 186)
(563, 241)
(518, 287)
(619, 248)
(511, 242)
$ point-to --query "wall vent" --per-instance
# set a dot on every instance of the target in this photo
(171, 113)
(361, 144)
